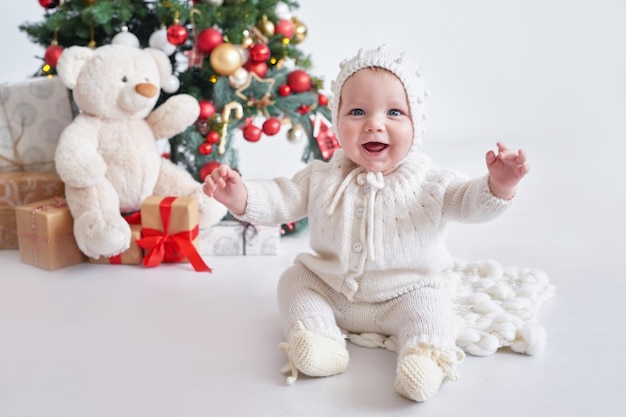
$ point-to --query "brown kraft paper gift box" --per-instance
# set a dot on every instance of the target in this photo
(45, 235)
(19, 188)
(170, 231)
(183, 217)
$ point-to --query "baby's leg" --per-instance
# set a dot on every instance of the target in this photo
(427, 354)
(316, 345)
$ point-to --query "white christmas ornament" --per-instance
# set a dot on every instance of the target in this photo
(171, 84)
(158, 40)
(182, 62)
(244, 52)
(282, 11)
(238, 78)
(289, 64)
(125, 38)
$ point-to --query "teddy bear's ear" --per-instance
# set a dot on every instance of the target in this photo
(162, 61)
(71, 63)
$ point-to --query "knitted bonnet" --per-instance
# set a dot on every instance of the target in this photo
(407, 71)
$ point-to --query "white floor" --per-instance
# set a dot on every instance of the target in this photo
(127, 341)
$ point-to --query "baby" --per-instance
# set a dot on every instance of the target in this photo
(377, 215)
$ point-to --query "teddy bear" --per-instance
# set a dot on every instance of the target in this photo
(107, 156)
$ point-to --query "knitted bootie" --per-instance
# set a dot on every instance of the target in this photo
(422, 369)
(313, 354)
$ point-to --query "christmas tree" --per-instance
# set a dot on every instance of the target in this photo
(239, 58)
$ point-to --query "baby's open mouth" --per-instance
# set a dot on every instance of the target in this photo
(375, 147)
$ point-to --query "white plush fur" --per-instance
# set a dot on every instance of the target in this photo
(107, 157)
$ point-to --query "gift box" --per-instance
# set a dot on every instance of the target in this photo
(233, 237)
(19, 188)
(33, 114)
(170, 231)
(131, 256)
(45, 235)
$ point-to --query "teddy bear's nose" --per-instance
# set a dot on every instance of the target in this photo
(147, 90)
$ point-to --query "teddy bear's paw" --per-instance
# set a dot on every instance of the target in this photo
(211, 210)
(101, 234)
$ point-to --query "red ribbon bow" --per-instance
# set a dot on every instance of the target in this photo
(163, 247)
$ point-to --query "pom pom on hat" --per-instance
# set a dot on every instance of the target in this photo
(398, 63)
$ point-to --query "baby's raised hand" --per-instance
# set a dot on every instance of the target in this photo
(506, 170)
(225, 185)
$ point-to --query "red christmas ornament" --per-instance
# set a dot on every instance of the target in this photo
(208, 39)
(259, 68)
(322, 100)
(212, 137)
(49, 4)
(271, 126)
(205, 148)
(52, 55)
(260, 52)
(177, 34)
(252, 133)
(286, 28)
(284, 90)
(207, 109)
(299, 81)
(304, 109)
(208, 168)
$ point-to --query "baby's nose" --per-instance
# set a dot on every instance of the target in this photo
(374, 123)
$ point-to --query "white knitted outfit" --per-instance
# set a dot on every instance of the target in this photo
(379, 262)
(379, 256)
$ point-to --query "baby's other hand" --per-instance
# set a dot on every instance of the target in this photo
(506, 170)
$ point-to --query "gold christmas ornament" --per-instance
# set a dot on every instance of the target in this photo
(225, 59)
(247, 41)
(296, 134)
(300, 31)
(266, 26)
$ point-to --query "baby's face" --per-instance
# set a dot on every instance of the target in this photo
(374, 123)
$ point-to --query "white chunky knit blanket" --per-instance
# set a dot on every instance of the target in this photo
(496, 307)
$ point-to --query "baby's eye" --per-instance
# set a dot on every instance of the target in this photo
(124, 79)
(395, 112)
(357, 112)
